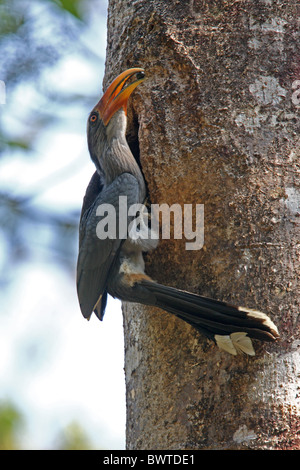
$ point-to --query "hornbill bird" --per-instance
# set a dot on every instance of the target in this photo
(114, 264)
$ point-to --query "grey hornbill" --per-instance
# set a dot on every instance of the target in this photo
(115, 265)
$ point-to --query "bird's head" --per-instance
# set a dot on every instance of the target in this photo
(107, 120)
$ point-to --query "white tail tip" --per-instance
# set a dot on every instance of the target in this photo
(236, 343)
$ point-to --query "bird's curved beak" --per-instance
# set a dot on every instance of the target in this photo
(117, 94)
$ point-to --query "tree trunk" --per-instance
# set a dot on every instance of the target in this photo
(215, 124)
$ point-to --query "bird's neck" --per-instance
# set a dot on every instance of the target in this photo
(118, 159)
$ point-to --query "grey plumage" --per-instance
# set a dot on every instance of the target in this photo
(115, 264)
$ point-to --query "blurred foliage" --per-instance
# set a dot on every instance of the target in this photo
(22, 225)
(72, 6)
(11, 423)
(35, 36)
(73, 437)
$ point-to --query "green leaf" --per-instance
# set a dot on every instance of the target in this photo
(71, 6)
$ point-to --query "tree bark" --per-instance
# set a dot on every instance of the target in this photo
(215, 124)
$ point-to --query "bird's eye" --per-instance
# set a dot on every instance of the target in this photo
(93, 117)
(140, 75)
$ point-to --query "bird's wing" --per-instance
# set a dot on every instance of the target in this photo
(105, 216)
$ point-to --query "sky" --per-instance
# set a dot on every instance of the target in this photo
(55, 366)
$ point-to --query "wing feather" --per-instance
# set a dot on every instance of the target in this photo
(97, 256)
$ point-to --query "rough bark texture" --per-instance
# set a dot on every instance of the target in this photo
(215, 123)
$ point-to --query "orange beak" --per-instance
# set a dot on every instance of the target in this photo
(116, 95)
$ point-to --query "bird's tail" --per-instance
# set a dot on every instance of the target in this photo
(229, 326)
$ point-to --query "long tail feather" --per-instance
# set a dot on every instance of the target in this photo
(229, 326)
